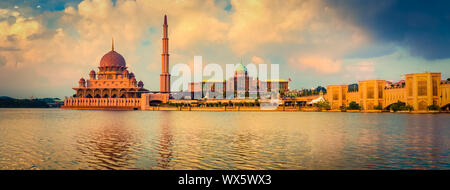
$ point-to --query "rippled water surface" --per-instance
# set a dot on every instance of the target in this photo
(81, 139)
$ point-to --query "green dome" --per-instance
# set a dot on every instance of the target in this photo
(241, 69)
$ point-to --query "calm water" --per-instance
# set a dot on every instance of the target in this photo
(80, 139)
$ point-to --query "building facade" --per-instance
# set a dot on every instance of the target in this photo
(240, 86)
(418, 90)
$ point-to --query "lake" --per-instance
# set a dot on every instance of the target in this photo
(84, 139)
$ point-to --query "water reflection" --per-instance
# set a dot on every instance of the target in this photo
(74, 139)
(107, 146)
(165, 141)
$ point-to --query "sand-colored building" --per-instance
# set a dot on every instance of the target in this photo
(418, 90)
(240, 86)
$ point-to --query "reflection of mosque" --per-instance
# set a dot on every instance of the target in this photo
(108, 147)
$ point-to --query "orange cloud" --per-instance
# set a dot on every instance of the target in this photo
(257, 60)
(320, 65)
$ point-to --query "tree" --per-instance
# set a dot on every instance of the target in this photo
(433, 107)
(378, 107)
(323, 104)
(353, 106)
(401, 106)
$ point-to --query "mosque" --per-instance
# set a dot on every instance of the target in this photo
(114, 87)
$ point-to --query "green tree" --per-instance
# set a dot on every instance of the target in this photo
(323, 104)
(378, 107)
(400, 106)
(353, 106)
(433, 107)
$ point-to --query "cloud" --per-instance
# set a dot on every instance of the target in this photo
(421, 27)
(307, 24)
(362, 70)
(257, 60)
(320, 65)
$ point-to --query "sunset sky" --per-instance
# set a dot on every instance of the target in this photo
(47, 46)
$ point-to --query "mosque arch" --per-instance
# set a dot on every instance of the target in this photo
(89, 93)
(122, 93)
(80, 93)
(97, 93)
(114, 93)
(105, 92)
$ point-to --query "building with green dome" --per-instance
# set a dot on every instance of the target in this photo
(241, 86)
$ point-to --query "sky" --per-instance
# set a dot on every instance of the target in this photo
(47, 46)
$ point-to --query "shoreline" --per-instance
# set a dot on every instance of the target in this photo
(244, 109)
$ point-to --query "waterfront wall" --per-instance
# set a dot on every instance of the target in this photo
(102, 103)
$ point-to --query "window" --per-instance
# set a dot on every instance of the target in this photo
(435, 83)
(370, 91)
(343, 93)
(409, 85)
(335, 94)
(422, 88)
(380, 90)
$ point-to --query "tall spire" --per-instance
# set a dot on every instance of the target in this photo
(165, 19)
(165, 75)
(112, 44)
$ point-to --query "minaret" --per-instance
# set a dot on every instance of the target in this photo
(165, 75)
(112, 45)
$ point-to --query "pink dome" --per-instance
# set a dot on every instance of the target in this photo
(112, 59)
(82, 79)
(92, 72)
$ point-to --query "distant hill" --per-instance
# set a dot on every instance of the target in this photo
(6, 97)
(8, 102)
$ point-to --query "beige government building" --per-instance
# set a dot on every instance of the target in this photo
(418, 90)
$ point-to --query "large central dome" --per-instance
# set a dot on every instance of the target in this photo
(112, 59)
